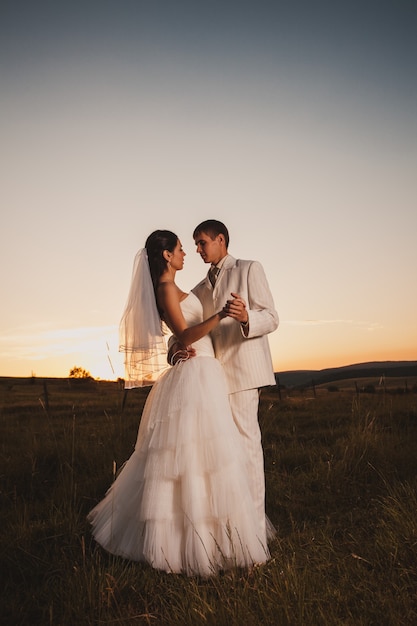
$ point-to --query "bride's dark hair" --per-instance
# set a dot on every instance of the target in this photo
(156, 243)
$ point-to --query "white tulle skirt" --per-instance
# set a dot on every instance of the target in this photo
(182, 501)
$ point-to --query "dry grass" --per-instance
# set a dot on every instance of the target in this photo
(341, 489)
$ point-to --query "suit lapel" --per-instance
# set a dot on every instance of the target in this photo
(229, 264)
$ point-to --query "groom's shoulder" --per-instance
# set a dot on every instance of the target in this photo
(244, 263)
(199, 285)
(231, 262)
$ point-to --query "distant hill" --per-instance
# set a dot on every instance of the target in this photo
(303, 378)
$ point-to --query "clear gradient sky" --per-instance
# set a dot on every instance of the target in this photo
(295, 123)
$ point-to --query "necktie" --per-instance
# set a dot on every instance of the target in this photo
(213, 274)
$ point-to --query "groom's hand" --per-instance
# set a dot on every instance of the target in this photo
(236, 309)
(179, 352)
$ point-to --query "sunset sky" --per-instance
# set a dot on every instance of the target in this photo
(295, 123)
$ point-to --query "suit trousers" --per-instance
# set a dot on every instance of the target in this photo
(244, 405)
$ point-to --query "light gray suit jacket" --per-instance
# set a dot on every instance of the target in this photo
(247, 360)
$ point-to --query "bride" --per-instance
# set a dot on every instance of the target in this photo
(182, 501)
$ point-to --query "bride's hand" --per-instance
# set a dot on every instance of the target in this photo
(223, 313)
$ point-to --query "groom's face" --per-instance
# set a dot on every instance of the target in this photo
(210, 250)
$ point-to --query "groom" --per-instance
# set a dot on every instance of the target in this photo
(240, 341)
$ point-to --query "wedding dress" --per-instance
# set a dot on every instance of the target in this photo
(182, 501)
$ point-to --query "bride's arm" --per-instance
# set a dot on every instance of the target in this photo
(169, 303)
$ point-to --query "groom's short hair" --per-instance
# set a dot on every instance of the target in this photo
(212, 228)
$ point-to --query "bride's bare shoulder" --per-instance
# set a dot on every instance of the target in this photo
(169, 289)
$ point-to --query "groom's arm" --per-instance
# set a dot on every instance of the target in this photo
(257, 316)
(262, 315)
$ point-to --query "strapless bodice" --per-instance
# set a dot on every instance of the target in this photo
(193, 313)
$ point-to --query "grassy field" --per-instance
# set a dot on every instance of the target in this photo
(341, 472)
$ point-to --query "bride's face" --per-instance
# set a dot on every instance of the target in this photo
(177, 259)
